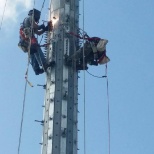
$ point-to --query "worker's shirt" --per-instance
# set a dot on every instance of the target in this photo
(27, 23)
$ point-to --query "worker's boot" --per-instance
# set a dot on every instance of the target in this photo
(39, 71)
(50, 64)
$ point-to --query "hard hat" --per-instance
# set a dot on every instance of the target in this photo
(37, 14)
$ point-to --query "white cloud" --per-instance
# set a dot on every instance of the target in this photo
(13, 9)
(26, 3)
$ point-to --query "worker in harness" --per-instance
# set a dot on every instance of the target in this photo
(29, 44)
(94, 53)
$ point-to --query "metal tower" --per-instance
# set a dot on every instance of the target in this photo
(61, 98)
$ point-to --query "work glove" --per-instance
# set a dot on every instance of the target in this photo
(46, 28)
(41, 27)
(49, 27)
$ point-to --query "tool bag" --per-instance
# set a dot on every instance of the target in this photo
(101, 46)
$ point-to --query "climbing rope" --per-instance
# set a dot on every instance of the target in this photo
(84, 86)
(108, 105)
(3, 15)
(22, 117)
(25, 90)
(108, 101)
(96, 76)
(42, 5)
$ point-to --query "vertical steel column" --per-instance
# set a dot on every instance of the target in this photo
(61, 99)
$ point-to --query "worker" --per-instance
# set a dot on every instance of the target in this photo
(28, 42)
(94, 53)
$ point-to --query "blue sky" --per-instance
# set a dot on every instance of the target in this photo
(129, 27)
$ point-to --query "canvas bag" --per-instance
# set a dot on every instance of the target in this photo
(101, 46)
(104, 60)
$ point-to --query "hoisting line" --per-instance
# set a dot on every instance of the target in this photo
(108, 102)
(109, 138)
(22, 117)
(42, 5)
(104, 76)
(3, 15)
(25, 90)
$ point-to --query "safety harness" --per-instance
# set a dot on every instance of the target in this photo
(25, 37)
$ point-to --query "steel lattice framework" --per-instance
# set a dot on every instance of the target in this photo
(61, 97)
